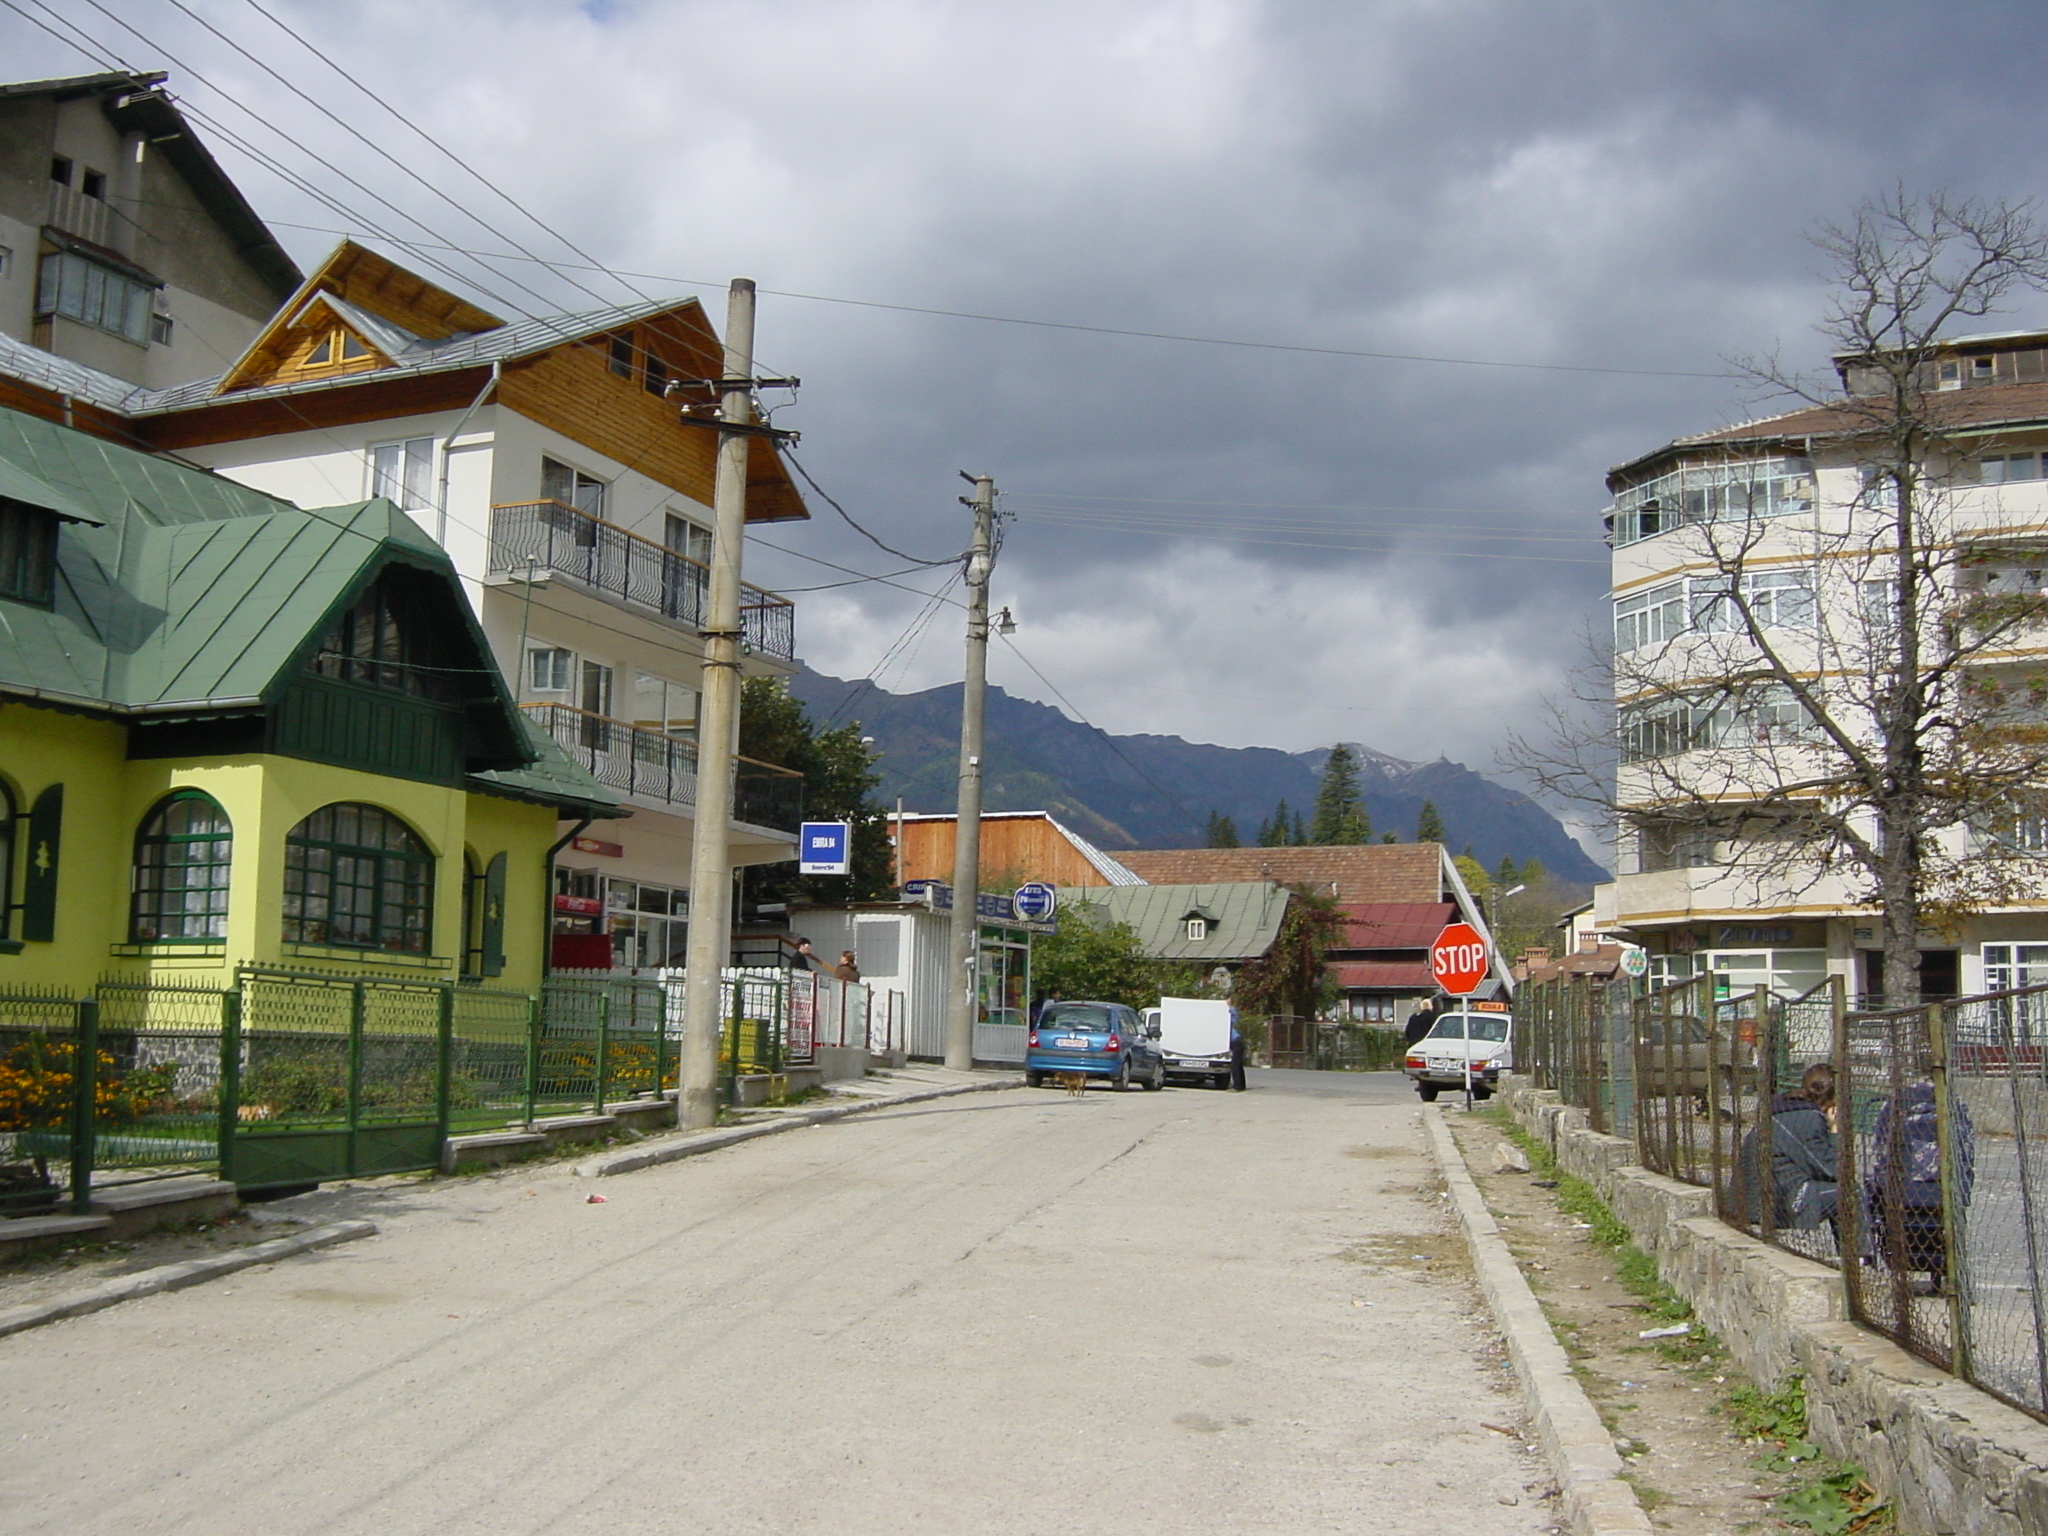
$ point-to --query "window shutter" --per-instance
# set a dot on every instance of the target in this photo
(39, 889)
(494, 916)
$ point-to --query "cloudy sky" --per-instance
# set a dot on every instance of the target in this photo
(1599, 203)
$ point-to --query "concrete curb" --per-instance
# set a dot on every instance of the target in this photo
(175, 1277)
(1581, 1452)
(694, 1143)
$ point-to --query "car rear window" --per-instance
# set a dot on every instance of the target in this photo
(1485, 1026)
(1083, 1016)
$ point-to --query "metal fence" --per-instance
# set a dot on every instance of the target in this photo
(1925, 1181)
(1331, 1045)
(275, 1078)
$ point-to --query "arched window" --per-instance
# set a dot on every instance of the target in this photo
(357, 875)
(182, 856)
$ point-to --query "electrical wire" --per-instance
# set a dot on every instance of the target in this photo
(797, 464)
(1194, 821)
(1389, 547)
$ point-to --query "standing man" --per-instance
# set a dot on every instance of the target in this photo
(1236, 1055)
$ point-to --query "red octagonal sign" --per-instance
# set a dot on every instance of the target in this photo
(1458, 959)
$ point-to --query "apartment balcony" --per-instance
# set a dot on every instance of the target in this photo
(555, 539)
(651, 766)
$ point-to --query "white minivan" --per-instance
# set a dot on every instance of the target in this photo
(1194, 1038)
(1481, 1035)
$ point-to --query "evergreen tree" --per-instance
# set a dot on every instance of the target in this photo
(1340, 809)
(1298, 837)
(1221, 832)
(1533, 873)
(1429, 826)
(1278, 832)
(1389, 837)
(1508, 876)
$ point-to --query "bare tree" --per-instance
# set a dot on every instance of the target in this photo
(1845, 685)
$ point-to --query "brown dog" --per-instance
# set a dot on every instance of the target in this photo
(1076, 1083)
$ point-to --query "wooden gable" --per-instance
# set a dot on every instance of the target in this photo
(596, 391)
(284, 352)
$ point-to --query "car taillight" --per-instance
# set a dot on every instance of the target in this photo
(1113, 1044)
(1033, 1042)
(1413, 1061)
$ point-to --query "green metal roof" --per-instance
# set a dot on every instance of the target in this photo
(188, 594)
(553, 778)
(1243, 916)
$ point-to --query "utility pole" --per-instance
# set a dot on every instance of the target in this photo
(718, 737)
(963, 985)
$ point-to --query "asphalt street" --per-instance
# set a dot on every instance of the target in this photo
(1019, 1311)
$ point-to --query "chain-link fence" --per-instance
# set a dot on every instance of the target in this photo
(1908, 1147)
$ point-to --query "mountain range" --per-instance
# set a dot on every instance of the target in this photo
(1158, 791)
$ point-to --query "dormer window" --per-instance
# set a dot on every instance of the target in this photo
(1198, 930)
(385, 640)
(334, 348)
(28, 553)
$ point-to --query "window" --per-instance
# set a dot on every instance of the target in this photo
(60, 171)
(1658, 730)
(182, 859)
(622, 356)
(355, 875)
(1777, 600)
(6, 260)
(1673, 845)
(663, 706)
(80, 289)
(385, 640)
(1198, 930)
(1735, 490)
(571, 487)
(28, 553)
(404, 472)
(94, 184)
(333, 349)
(550, 669)
(159, 328)
(1765, 716)
(1650, 616)
(655, 380)
(2002, 468)
(685, 581)
(649, 924)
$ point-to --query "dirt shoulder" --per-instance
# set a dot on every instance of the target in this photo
(1694, 1470)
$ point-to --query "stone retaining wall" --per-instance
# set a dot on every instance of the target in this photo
(1951, 1458)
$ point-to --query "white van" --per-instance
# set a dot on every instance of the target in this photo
(1194, 1038)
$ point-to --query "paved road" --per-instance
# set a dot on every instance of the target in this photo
(1018, 1312)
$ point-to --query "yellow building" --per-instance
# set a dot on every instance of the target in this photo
(234, 732)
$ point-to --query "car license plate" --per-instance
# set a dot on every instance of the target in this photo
(1071, 1043)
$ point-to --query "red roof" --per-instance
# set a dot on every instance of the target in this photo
(1366, 872)
(1384, 974)
(1395, 924)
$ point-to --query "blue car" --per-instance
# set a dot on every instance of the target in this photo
(1098, 1040)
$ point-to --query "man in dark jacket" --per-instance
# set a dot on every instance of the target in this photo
(1804, 1194)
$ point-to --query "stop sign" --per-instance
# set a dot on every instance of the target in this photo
(1458, 959)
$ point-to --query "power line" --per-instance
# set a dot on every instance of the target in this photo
(1351, 548)
(797, 465)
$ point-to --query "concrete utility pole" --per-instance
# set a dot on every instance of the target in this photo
(718, 735)
(966, 928)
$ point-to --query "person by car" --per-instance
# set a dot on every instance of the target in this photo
(1903, 1192)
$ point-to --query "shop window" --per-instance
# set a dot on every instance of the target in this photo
(356, 875)
(183, 856)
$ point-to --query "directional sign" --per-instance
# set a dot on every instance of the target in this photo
(1458, 959)
(1035, 902)
(823, 847)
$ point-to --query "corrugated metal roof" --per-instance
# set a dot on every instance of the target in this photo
(1244, 917)
(1105, 866)
(64, 377)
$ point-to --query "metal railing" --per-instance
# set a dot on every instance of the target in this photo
(566, 541)
(638, 761)
(1925, 1181)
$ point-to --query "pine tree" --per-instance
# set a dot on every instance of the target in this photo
(1340, 809)
(1508, 875)
(1299, 836)
(1278, 832)
(1429, 826)
(1221, 832)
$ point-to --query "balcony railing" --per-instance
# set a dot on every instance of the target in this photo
(654, 766)
(554, 537)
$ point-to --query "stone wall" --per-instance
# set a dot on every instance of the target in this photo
(1951, 1458)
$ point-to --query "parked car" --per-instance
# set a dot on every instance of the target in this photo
(1097, 1040)
(1438, 1060)
(1194, 1038)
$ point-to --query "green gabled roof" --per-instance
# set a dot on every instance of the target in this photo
(188, 594)
(1244, 917)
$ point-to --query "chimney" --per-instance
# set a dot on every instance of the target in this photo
(1535, 956)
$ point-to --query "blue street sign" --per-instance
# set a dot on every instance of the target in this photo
(824, 847)
(1035, 902)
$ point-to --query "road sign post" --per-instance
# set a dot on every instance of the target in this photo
(1459, 961)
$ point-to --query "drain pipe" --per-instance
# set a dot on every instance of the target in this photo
(448, 447)
(547, 892)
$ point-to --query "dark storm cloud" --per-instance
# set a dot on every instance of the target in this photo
(1621, 185)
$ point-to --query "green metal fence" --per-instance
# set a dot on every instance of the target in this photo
(277, 1078)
